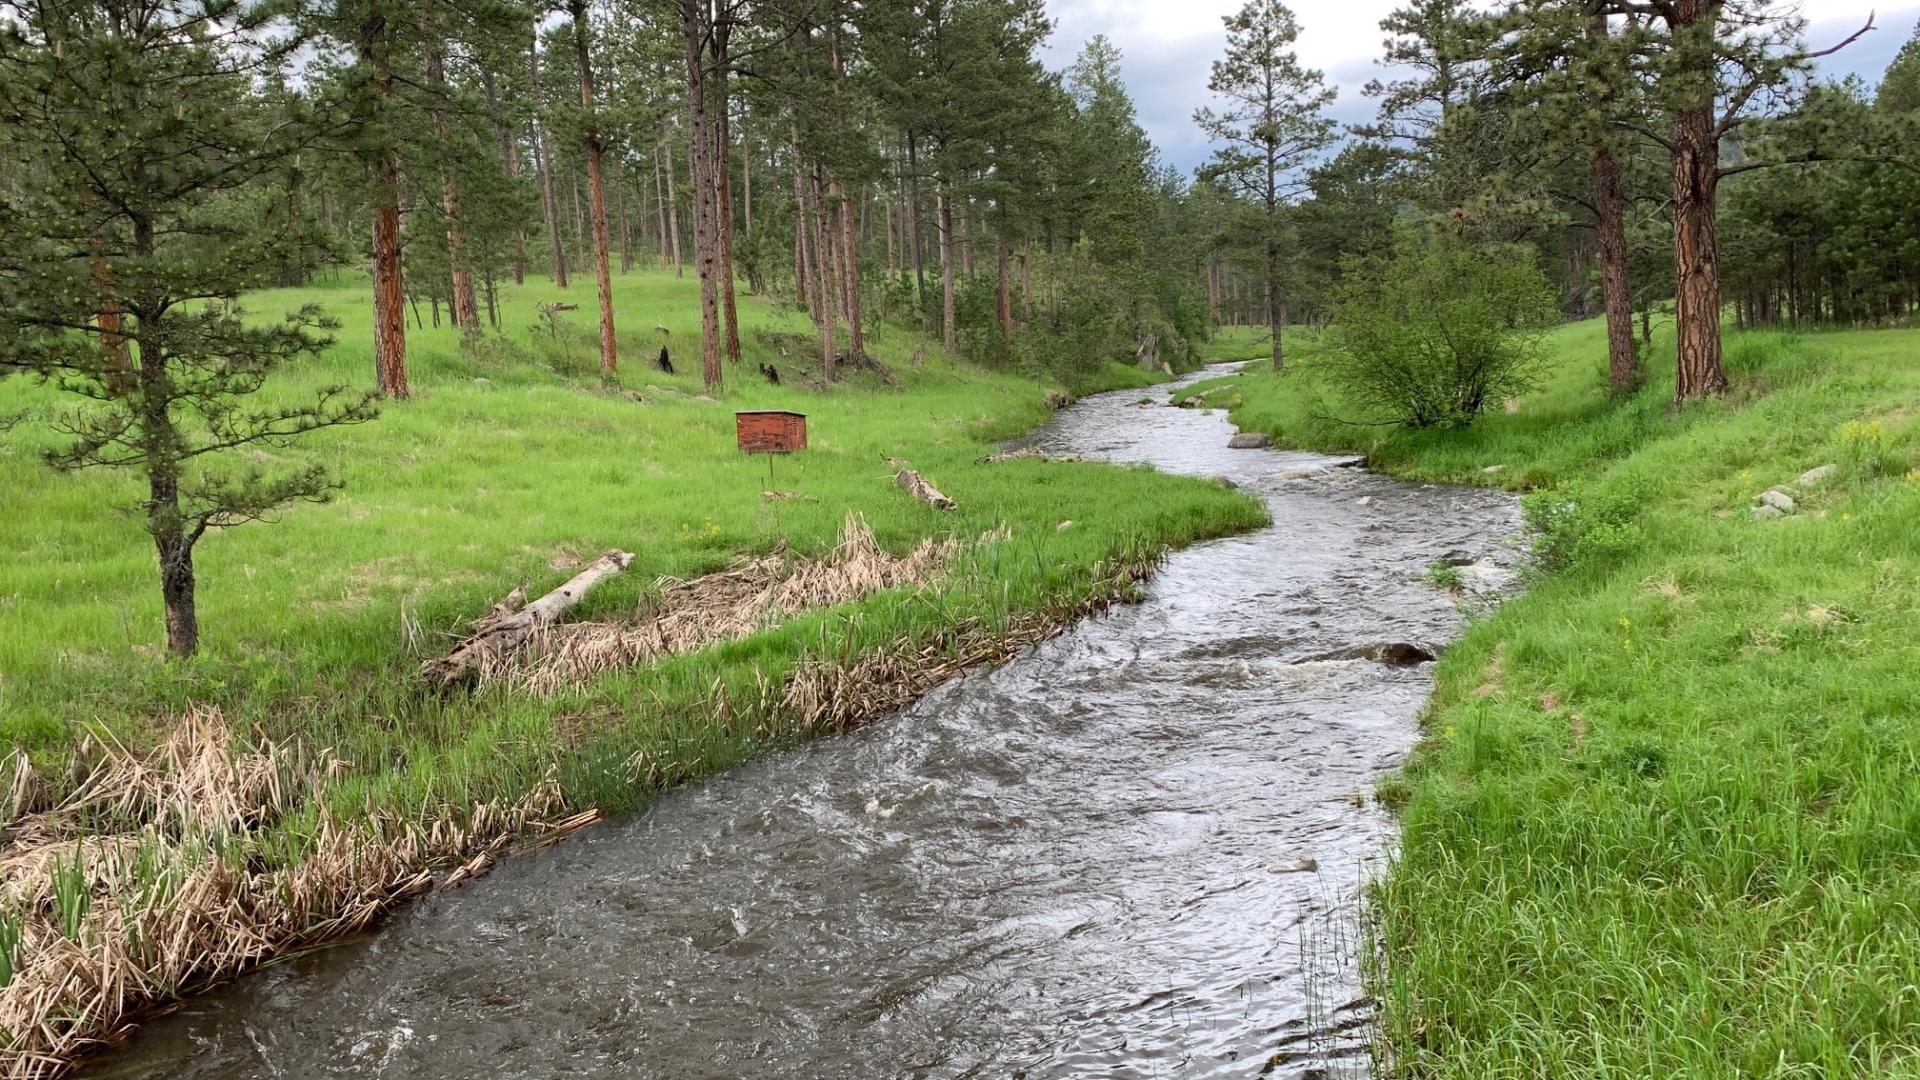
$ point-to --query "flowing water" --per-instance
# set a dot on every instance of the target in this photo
(1135, 851)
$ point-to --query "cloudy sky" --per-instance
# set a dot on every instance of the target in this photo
(1167, 46)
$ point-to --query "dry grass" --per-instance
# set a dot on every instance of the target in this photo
(145, 882)
(750, 595)
(837, 694)
(152, 878)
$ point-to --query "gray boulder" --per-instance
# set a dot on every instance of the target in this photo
(1819, 474)
(1777, 499)
(1250, 440)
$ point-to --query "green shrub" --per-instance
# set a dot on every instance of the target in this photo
(1438, 331)
(1583, 523)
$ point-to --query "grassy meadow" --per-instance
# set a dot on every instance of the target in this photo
(513, 463)
(1666, 817)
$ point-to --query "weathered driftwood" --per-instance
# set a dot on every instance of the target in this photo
(509, 626)
(918, 487)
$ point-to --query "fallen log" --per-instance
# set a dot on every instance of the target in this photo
(508, 627)
(918, 487)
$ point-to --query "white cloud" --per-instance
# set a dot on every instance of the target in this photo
(1167, 45)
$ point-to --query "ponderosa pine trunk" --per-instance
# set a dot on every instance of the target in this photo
(850, 278)
(913, 227)
(673, 211)
(173, 536)
(620, 214)
(963, 235)
(389, 290)
(949, 334)
(596, 197)
(660, 208)
(1026, 281)
(1610, 228)
(463, 304)
(849, 249)
(705, 225)
(1696, 259)
(1003, 298)
(893, 261)
(582, 247)
(118, 366)
(174, 550)
(543, 161)
(1276, 306)
(723, 194)
(826, 275)
(804, 276)
(510, 161)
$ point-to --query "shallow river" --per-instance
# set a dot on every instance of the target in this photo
(1135, 851)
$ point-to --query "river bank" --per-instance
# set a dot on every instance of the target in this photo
(171, 824)
(1135, 849)
(1663, 821)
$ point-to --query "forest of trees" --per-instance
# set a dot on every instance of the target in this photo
(1673, 162)
(911, 160)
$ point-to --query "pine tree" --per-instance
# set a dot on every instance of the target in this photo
(144, 219)
(1710, 61)
(1273, 125)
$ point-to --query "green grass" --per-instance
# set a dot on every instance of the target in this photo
(1114, 375)
(1666, 818)
(1241, 343)
(314, 625)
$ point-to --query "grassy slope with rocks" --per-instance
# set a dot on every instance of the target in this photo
(1666, 817)
(512, 464)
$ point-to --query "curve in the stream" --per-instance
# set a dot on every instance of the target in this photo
(1134, 851)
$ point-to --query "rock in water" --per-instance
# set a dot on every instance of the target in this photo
(1250, 440)
(1403, 654)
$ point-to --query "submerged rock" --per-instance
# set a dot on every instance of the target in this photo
(1390, 653)
(1401, 654)
(1250, 440)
